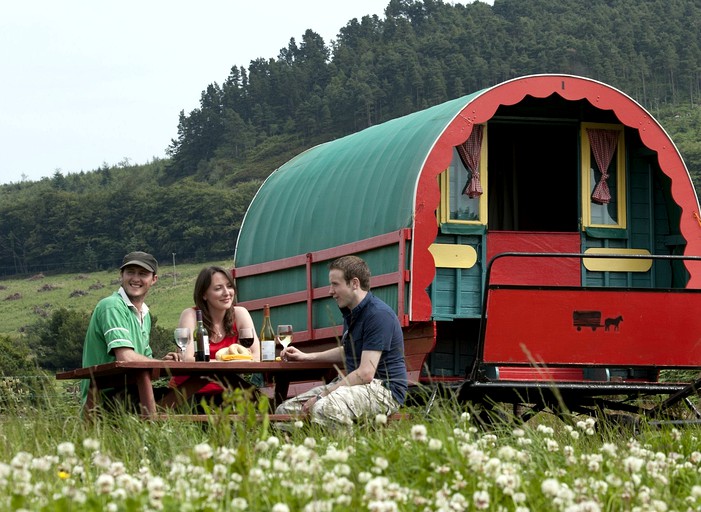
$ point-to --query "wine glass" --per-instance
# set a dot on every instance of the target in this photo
(246, 337)
(284, 335)
(182, 337)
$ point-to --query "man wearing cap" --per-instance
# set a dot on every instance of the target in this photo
(120, 325)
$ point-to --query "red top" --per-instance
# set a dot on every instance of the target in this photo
(211, 388)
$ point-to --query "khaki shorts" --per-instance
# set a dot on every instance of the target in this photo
(344, 405)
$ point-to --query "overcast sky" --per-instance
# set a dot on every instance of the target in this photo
(86, 81)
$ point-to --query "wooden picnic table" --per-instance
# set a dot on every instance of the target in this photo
(120, 374)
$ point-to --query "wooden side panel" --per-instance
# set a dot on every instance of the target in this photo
(611, 327)
(534, 271)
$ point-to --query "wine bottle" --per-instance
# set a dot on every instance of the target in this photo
(201, 339)
(267, 337)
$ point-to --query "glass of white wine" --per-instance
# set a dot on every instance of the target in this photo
(284, 335)
(182, 337)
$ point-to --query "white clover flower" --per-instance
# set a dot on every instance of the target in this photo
(481, 500)
(104, 484)
(90, 444)
(298, 424)
(551, 445)
(381, 419)
(574, 434)
(42, 464)
(239, 503)
(544, 429)
(21, 460)
(112, 507)
(550, 487)
(364, 477)
(156, 488)
(203, 451)
(435, 444)
(66, 449)
(342, 469)
(659, 506)
(319, 506)
(419, 433)
(507, 452)
(380, 463)
(696, 491)
(310, 442)
(262, 446)
(465, 416)
(101, 460)
(280, 507)
(273, 441)
(633, 464)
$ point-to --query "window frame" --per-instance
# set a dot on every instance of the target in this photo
(586, 181)
(444, 185)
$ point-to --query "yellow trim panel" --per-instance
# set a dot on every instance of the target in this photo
(617, 264)
(453, 256)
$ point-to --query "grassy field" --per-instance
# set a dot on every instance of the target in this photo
(28, 299)
(443, 462)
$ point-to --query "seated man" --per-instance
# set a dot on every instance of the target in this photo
(372, 349)
(120, 325)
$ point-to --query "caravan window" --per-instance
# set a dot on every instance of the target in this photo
(603, 176)
(463, 191)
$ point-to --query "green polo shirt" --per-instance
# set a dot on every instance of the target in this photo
(115, 323)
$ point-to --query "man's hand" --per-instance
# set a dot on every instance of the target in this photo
(291, 353)
(173, 356)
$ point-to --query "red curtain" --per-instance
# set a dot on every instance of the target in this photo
(470, 152)
(603, 145)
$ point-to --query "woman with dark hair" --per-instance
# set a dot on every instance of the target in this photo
(215, 296)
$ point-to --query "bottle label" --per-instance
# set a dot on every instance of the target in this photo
(267, 349)
(206, 344)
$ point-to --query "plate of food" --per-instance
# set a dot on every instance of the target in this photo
(234, 352)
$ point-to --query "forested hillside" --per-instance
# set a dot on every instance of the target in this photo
(421, 54)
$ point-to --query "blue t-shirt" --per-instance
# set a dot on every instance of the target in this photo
(373, 325)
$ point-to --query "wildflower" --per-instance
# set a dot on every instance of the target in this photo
(319, 506)
(544, 429)
(551, 445)
(298, 424)
(239, 503)
(104, 484)
(696, 491)
(91, 444)
(364, 477)
(465, 417)
(280, 507)
(381, 419)
(419, 433)
(63, 475)
(380, 463)
(21, 460)
(435, 444)
(633, 464)
(273, 441)
(481, 500)
(66, 449)
(262, 446)
(550, 487)
(310, 442)
(156, 489)
(203, 451)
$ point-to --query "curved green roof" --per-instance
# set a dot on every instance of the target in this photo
(346, 190)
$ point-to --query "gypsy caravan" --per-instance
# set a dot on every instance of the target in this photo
(541, 233)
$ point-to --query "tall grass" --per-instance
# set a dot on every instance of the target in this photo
(53, 459)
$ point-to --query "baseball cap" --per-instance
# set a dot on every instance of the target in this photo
(143, 259)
